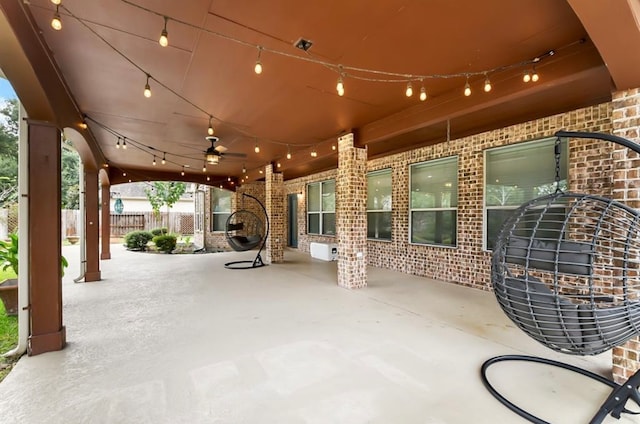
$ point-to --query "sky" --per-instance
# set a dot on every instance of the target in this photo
(6, 91)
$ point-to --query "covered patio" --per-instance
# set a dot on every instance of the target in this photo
(283, 345)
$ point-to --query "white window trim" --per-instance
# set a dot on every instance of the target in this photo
(373, 173)
(485, 208)
(320, 213)
(442, 246)
(218, 212)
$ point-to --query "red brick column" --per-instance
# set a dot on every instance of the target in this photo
(274, 203)
(626, 181)
(351, 214)
(105, 213)
(45, 273)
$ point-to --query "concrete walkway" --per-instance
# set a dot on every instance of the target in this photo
(180, 339)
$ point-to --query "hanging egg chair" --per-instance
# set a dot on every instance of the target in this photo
(245, 231)
(566, 270)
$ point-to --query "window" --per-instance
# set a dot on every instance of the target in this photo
(220, 208)
(433, 208)
(379, 205)
(321, 208)
(199, 221)
(516, 174)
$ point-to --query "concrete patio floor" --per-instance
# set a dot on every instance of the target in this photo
(180, 339)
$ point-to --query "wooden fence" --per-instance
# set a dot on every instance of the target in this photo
(177, 222)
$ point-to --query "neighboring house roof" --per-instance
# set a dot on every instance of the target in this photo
(133, 190)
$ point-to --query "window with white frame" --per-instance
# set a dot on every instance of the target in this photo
(516, 174)
(321, 208)
(199, 207)
(433, 203)
(379, 205)
(220, 208)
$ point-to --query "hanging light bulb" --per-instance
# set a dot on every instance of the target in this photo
(154, 160)
(487, 84)
(118, 143)
(340, 86)
(164, 35)
(124, 143)
(534, 76)
(204, 166)
(244, 169)
(526, 77)
(288, 152)
(333, 147)
(147, 88)
(314, 153)
(56, 22)
(409, 91)
(467, 88)
(423, 94)
(279, 165)
(56, 2)
(182, 172)
(228, 178)
(258, 68)
(256, 148)
(83, 125)
(210, 129)
(164, 158)
(208, 178)
(124, 174)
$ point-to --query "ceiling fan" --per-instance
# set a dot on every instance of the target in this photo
(215, 153)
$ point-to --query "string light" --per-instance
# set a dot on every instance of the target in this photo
(204, 166)
(154, 160)
(56, 2)
(164, 158)
(534, 76)
(487, 84)
(526, 77)
(279, 165)
(124, 143)
(210, 129)
(256, 148)
(182, 172)
(124, 174)
(56, 22)
(228, 178)
(118, 143)
(244, 169)
(467, 88)
(340, 86)
(164, 35)
(314, 153)
(333, 147)
(409, 91)
(423, 93)
(147, 88)
(83, 125)
(258, 68)
(208, 178)
(288, 152)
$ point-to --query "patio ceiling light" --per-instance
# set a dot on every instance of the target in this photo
(56, 23)
(164, 35)
(258, 68)
(147, 88)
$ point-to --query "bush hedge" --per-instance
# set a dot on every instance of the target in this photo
(165, 243)
(137, 240)
(160, 231)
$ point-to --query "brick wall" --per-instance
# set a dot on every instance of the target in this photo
(626, 123)
(299, 186)
(274, 203)
(467, 264)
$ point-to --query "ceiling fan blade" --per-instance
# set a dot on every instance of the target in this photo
(221, 149)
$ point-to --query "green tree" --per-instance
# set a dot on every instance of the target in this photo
(164, 193)
(9, 153)
(70, 185)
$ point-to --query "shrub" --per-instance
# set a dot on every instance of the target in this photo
(160, 231)
(165, 243)
(137, 240)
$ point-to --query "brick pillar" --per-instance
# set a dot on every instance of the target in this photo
(626, 123)
(274, 203)
(91, 228)
(351, 214)
(105, 213)
(45, 273)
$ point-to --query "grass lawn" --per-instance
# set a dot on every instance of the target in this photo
(8, 333)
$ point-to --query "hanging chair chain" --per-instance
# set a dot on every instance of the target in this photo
(557, 152)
